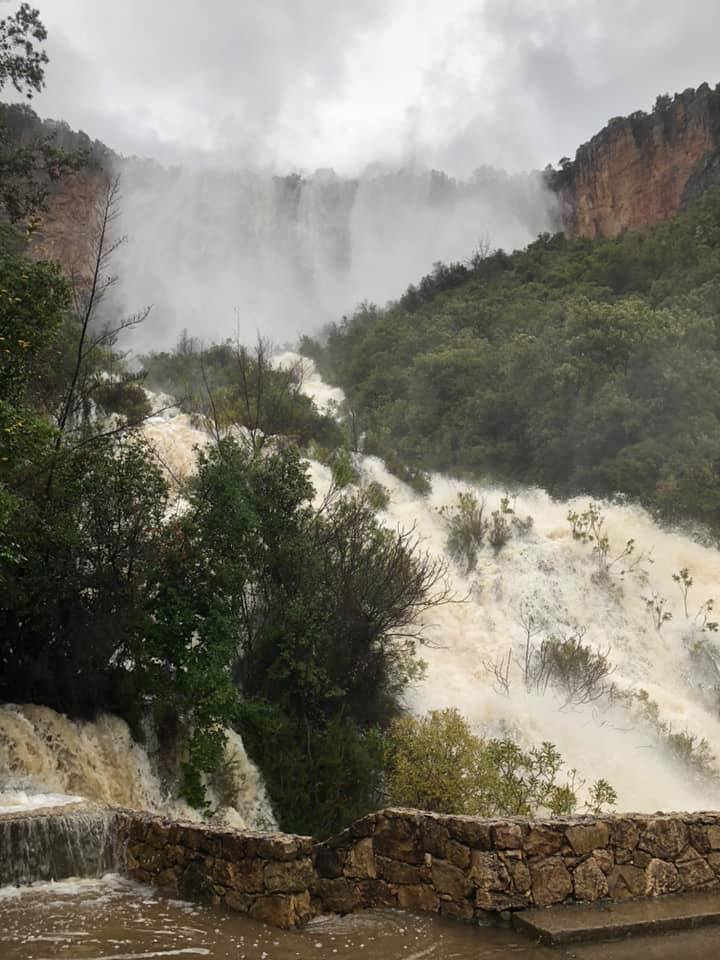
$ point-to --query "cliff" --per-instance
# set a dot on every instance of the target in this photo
(643, 168)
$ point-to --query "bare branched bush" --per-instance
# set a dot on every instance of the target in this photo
(588, 527)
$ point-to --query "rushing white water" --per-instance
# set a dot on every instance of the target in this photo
(43, 752)
(543, 570)
(548, 572)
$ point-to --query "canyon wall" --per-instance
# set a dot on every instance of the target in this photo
(643, 168)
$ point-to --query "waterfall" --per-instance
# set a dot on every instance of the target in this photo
(47, 759)
(215, 250)
(666, 681)
(56, 847)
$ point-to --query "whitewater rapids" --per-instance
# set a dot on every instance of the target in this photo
(548, 572)
(544, 571)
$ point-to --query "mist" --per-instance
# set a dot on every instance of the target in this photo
(221, 253)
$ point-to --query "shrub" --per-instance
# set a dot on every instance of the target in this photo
(437, 763)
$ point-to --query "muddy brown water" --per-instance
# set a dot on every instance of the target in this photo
(115, 919)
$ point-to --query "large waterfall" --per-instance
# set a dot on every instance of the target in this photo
(214, 251)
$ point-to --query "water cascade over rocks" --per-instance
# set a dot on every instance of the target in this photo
(665, 680)
(47, 759)
(644, 737)
(38, 848)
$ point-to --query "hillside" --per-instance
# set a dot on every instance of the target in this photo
(579, 365)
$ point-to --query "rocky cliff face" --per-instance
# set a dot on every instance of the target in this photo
(644, 168)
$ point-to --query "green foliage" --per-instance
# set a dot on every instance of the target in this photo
(437, 763)
(226, 385)
(467, 528)
(581, 366)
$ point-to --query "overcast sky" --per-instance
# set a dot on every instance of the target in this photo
(300, 84)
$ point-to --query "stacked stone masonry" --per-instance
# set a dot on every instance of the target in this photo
(461, 867)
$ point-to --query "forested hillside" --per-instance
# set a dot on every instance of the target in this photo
(579, 365)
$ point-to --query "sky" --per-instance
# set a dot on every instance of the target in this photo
(306, 84)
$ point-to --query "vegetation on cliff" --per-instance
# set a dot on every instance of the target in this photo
(577, 365)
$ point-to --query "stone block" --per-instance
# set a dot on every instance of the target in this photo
(337, 896)
(244, 876)
(360, 861)
(457, 909)
(604, 859)
(434, 837)
(590, 882)
(473, 833)
(329, 863)
(277, 846)
(585, 837)
(507, 836)
(292, 876)
(699, 837)
(457, 854)
(395, 871)
(240, 902)
(695, 873)
(418, 897)
(489, 872)
(284, 911)
(450, 880)
(624, 833)
(664, 838)
(661, 877)
(543, 841)
(713, 834)
(518, 870)
(551, 882)
(626, 881)
(399, 839)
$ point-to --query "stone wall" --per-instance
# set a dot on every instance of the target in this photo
(265, 875)
(644, 168)
(461, 867)
(465, 867)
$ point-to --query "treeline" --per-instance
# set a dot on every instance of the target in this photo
(579, 365)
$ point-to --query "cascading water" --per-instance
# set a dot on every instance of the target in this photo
(47, 759)
(665, 676)
(38, 848)
(288, 253)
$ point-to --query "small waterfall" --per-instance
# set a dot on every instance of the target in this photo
(58, 846)
(47, 759)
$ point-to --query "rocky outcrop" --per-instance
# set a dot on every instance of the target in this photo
(461, 867)
(644, 168)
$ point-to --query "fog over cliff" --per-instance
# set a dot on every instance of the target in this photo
(360, 99)
(219, 252)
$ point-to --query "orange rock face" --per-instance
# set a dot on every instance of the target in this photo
(644, 168)
(67, 229)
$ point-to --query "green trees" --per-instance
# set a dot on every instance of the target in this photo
(578, 365)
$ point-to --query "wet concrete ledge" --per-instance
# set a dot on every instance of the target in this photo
(608, 920)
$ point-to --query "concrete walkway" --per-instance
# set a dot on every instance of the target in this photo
(603, 921)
